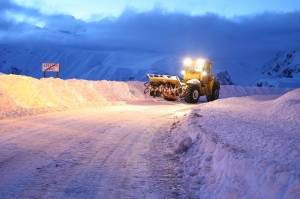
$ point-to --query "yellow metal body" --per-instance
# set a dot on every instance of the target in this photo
(164, 78)
(198, 73)
(203, 74)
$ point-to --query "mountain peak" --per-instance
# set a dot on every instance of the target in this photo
(284, 64)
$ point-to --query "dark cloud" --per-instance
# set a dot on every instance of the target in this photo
(210, 33)
(8, 24)
(10, 6)
(247, 37)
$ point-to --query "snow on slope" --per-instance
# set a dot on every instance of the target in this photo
(282, 71)
(243, 147)
(97, 64)
(86, 64)
(94, 64)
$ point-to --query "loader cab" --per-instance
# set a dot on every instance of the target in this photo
(199, 69)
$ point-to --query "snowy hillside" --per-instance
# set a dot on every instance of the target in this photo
(96, 64)
(86, 64)
(281, 71)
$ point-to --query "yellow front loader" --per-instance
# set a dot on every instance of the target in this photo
(197, 81)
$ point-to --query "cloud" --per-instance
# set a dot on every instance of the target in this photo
(254, 37)
(13, 15)
(8, 6)
(177, 32)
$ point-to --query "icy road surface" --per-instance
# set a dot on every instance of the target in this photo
(106, 152)
(106, 139)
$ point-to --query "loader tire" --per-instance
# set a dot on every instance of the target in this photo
(214, 96)
(192, 94)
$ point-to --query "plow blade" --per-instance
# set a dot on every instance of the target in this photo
(166, 86)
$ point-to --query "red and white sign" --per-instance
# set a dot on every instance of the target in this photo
(51, 67)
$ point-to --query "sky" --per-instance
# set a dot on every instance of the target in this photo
(231, 32)
(90, 10)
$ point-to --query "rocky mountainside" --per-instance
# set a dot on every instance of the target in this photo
(224, 78)
(283, 70)
(284, 64)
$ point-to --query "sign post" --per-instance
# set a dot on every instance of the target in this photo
(51, 67)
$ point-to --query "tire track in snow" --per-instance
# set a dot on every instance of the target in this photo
(91, 153)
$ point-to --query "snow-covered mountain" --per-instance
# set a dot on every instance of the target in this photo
(92, 64)
(86, 64)
(123, 65)
(224, 78)
(281, 71)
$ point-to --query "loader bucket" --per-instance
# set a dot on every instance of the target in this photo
(164, 78)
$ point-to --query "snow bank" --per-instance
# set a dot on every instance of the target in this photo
(22, 95)
(239, 91)
(242, 147)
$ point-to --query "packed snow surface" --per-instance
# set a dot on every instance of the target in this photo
(244, 145)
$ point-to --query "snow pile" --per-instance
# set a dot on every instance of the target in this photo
(21, 95)
(244, 147)
(239, 91)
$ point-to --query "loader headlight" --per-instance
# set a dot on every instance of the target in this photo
(204, 73)
(199, 65)
(200, 62)
(187, 62)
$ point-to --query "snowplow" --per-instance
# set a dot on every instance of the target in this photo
(197, 81)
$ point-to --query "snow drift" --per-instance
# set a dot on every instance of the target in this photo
(245, 147)
(22, 95)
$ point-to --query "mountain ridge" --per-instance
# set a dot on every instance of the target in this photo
(283, 70)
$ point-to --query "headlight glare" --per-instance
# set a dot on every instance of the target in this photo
(187, 62)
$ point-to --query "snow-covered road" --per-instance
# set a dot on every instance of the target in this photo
(104, 152)
(105, 139)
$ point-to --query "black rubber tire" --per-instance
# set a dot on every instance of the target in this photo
(192, 94)
(214, 96)
(209, 98)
